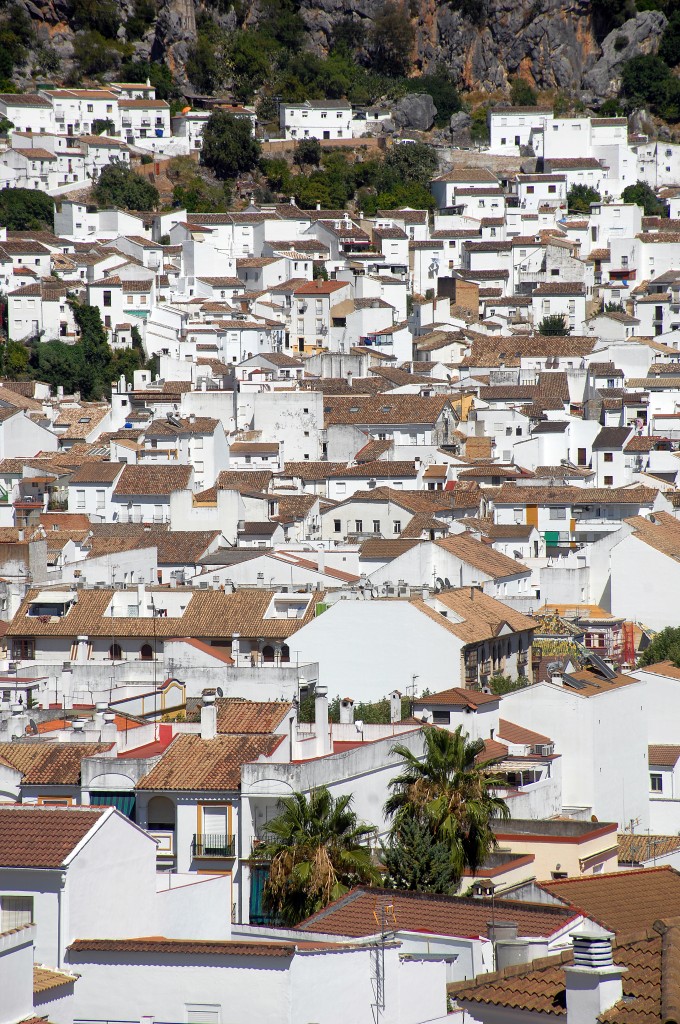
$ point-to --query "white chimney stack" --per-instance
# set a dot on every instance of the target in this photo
(323, 736)
(395, 706)
(208, 717)
(593, 983)
(346, 711)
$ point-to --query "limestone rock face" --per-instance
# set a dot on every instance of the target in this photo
(639, 35)
(550, 43)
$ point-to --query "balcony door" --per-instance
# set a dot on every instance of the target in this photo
(215, 829)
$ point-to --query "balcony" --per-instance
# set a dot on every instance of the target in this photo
(208, 845)
(485, 667)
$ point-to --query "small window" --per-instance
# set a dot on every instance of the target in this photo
(15, 912)
(376, 526)
(337, 528)
(609, 456)
(558, 513)
(397, 526)
(358, 526)
(656, 782)
(609, 481)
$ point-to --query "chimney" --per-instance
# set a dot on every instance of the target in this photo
(208, 717)
(78, 731)
(426, 593)
(556, 678)
(109, 732)
(99, 709)
(395, 706)
(18, 721)
(346, 711)
(323, 736)
(593, 983)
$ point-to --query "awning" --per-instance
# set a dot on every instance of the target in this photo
(125, 802)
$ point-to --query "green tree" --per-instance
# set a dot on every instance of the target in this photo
(392, 40)
(643, 195)
(25, 209)
(441, 86)
(522, 94)
(580, 197)
(121, 187)
(158, 74)
(318, 849)
(504, 684)
(93, 54)
(103, 124)
(645, 79)
(229, 148)
(555, 324)
(664, 647)
(96, 354)
(452, 792)
(479, 129)
(16, 359)
(206, 64)
(101, 16)
(307, 153)
(415, 859)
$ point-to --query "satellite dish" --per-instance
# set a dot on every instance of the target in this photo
(32, 728)
(220, 691)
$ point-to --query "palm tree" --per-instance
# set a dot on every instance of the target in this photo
(318, 850)
(452, 792)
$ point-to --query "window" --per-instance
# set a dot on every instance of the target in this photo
(146, 652)
(376, 526)
(396, 528)
(558, 513)
(15, 912)
(656, 782)
(337, 528)
(107, 298)
(115, 653)
(23, 649)
(358, 526)
(609, 456)
(609, 481)
(100, 500)
(80, 499)
(530, 190)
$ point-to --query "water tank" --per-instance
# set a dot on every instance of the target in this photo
(500, 930)
(512, 951)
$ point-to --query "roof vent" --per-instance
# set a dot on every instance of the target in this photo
(593, 950)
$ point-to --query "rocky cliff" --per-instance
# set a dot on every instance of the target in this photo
(552, 43)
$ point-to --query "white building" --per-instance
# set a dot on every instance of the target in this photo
(316, 119)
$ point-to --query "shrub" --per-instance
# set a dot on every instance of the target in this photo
(522, 94)
(643, 195)
(553, 325)
(25, 209)
(121, 187)
(580, 197)
(93, 54)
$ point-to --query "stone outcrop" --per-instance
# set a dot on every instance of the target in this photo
(416, 111)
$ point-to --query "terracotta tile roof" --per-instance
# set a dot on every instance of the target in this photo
(458, 697)
(539, 987)
(354, 914)
(152, 480)
(517, 494)
(237, 715)
(384, 409)
(637, 849)
(244, 480)
(622, 901)
(483, 557)
(46, 978)
(97, 472)
(385, 549)
(412, 500)
(191, 763)
(661, 532)
(663, 755)
(482, 616)
(512, 733)
(378, 468)
(183, 947)
(50, 764)
(208, 614)
(42, 837)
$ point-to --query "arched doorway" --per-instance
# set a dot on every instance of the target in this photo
(115, 653)
(285, 653)
(268, 654)
(146, 653)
